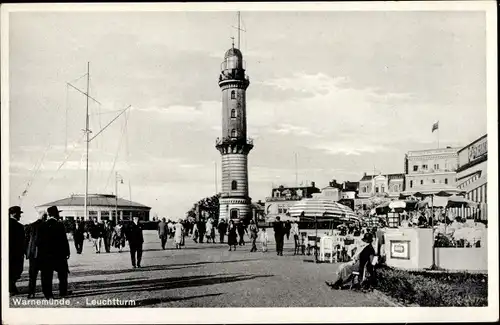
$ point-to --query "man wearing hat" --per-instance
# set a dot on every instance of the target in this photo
(361, 260)
(53, 252)
(135, 241)
(17, 248)
(32, 253)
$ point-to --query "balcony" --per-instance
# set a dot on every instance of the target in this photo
(230, 140)
(283, 198)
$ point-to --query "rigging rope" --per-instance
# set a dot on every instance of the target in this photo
(68, 155)
(116, 155)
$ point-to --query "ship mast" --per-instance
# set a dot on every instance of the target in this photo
(87, 132)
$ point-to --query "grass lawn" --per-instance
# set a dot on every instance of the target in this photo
(434, 289)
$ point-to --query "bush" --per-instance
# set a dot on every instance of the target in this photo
(434, 289)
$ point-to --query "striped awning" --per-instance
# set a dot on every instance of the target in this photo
(322, 208)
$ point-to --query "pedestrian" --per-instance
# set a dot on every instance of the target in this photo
(108, 235)
(119, 237)
(96, 232)
(210, 230)
(241, 232)
(135, 241)
(195, 233)
(231, 235)
(163, 232)
(288, 227)
(17, 248)
(279, 234)
(201, 229)
(264, 238)
(53, 253)
(78, 235)
(252, 228)
(170, 226)
(179, 234)
(295, 233)
(222, 227)
(32, 253)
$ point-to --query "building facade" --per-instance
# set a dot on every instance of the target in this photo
(100, 206)
(431, 168)
(472, 173)
(234, 145)
(388, 185)
(283, 197)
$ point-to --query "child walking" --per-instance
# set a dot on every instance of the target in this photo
(264, 239)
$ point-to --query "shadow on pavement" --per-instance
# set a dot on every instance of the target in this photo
(158, 284)
(157, 267)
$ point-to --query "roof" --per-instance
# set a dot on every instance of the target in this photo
(95, 200)
(389, 176)
(233, 52)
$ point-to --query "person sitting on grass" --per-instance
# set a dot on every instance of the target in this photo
(361, 260)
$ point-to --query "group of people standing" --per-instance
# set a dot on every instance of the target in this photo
(45, 244)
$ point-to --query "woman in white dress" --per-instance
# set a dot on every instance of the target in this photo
(179, 233)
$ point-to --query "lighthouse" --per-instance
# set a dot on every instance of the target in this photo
(234, 145)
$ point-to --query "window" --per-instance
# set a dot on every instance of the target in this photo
(411, 184)
(233, 94)
(421, 182)
(415, 168)
(436, 166)
(376, 189)
(233, 133)
(424, 167)
(234, 185)
(234, 214)
(233, 113)
(433, 181)
(382, 189)
(446, 180)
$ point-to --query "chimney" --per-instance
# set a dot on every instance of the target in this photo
(313, 184)
(364, 174)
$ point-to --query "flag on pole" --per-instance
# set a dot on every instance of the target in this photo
(435, 126)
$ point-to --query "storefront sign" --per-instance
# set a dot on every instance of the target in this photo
(400, 249)
(478, 149)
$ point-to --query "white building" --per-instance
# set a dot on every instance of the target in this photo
(431, 168)
(100, 206)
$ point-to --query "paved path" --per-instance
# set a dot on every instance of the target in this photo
(203, 275)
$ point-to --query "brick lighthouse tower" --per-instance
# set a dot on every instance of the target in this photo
(234, 146)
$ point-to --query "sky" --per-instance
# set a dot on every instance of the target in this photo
(344, 92)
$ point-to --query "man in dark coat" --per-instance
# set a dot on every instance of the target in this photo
(240, 226)
(79, 235)
(279, 233)
(108, 235)
(135, 241)
(201, 229)
(17, 248)
(53, 253)
(97, 233)
(32, 253)
(222, 227)
(163, 232)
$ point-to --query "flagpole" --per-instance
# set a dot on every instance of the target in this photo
(438, 136)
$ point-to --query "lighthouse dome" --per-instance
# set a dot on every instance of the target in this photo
(233, 52)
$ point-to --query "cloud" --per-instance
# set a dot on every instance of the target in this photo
(293, 129)
(350, 148)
